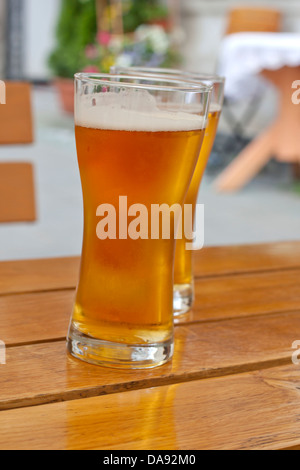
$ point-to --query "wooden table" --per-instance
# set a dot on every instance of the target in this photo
(231, 385)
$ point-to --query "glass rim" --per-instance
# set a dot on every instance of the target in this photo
(107, 79)
(168, 72)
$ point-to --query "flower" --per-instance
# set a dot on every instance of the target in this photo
(107, 62)
(124, 60)
(103, 38)
(150, 45)
(91, 52)
(116, 44)
(156, 36)
(91, 69)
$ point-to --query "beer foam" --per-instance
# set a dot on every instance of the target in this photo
(215, 108)
(132, 110)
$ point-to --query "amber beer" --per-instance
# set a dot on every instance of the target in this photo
(183, 274)
(183, 271)
(123, 313)
(125, 289)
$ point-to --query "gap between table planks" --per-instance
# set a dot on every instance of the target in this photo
(43, 373)
(44, 316)
(62, 273)
(257, 410)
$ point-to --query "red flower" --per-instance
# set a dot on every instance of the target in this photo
(91, 69)
(103, 38)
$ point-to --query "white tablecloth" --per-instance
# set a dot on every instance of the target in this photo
(244, 55)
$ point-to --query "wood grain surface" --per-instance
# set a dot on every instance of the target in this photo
(258, 410)
(251, 294)
(38, 275)
(47, 374)
(231, 384)
(35, 318)
(239, 259)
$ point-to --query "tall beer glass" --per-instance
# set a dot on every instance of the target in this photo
(183, 272)
(138, 141)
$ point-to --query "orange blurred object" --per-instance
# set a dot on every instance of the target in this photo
(183, 273)
(16, 115)
(65, 89)
(17, 200)
(254, 20)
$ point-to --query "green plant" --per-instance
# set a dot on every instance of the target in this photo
(137, 12)
(296, 188)
(77, 27)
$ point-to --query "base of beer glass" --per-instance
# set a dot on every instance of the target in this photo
(183, 298)
(118, 355)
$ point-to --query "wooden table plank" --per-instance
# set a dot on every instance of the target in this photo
(250, 294)
(61, 273)
(239, 259)
(35, 318)
(258, 410)
(47, 314)
(47, 374)
(38, 275)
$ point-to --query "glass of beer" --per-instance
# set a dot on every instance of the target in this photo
(183, 272)
(138, 141)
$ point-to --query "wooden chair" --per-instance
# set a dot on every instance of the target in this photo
(17, 200)
(16, 115)
(265, 20)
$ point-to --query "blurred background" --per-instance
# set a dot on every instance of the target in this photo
(43, 43)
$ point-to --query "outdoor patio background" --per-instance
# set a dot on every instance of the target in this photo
(267, 210)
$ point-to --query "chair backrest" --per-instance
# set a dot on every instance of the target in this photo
(17, 199)
(254, 20)
(17, 192)
(16, 125)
